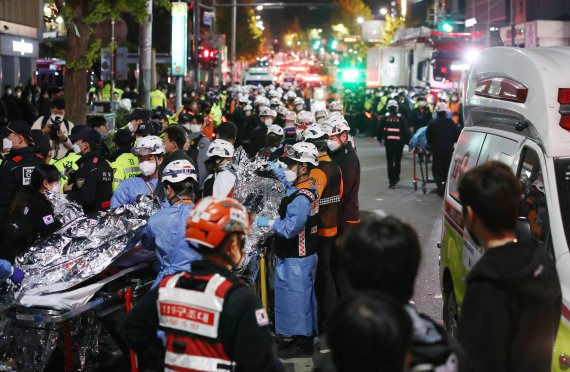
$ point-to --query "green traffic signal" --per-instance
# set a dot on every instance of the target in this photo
(446, 26)
(334, 44)
(316, 44)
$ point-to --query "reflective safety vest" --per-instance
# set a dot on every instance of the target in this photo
(66, 165)
(157, 98)
(191, 320)
(392, 131)
(305, 244)
(126, 166)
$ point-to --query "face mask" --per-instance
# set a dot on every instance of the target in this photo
(453, 99)
(247, 113)
(290, 175)
(19, 94)
(76, 148)
(423, 103)
(195, 128)
(104, 135)
(186, 126)
(56, 118)
(333, 145)
(147, 168)
(9, 92)
(56, 189)
(6, 144)
(299, 107)
(268, 122)
(131, 126)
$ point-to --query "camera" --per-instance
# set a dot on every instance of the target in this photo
(55, 127)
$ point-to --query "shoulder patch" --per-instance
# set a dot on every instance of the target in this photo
(48, 220)
(261, 317)
(201, 146)
(17, 158)
(95, 160)
(27, 175)
(80, 182)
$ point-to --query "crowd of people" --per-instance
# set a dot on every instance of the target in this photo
(336, 277)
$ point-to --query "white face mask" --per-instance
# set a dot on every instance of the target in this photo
(195, 128)
(299, 107)
(186, 126)
(268, 121)
(290, 175)
(76, 148)
(131, 126)
(147, 168)
(56, 118)
(247, 113)
(6, 144)
(333, 145)
(423, 103)
(56, 189)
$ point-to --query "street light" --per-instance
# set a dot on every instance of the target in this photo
(257, 17)
(383, 11)
(259, 7)
(360, 20)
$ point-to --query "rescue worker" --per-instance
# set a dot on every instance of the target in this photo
(512, 306)
(125, 164)
(7, 271)
(441, 135)
(336, 107)
(456, 109)
(67, 164)
(222, 178)
(320, 116)
(280, 119)
(57, 127)
(259, 134)
(343, 154)
(328, 182)
(299, 104)
(91, 186)
(273, 149)
(236, 337)
(296, 248)
(304, 120)
(149, 153)
(165, 230)
(421, 115)
(394, 132)
(16, 169)
(199, 144)
(158, 96)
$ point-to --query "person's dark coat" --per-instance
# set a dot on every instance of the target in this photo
(441, 134)
(511, 310)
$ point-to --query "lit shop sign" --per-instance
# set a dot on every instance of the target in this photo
(22, 47)
(179, 38)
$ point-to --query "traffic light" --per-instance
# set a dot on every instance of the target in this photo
(207, 55)
(334, 44)
(351, 75)
(316, 44)
(446, 26)
(441, 70)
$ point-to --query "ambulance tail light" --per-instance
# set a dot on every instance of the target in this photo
(564, 100)
(503, 89)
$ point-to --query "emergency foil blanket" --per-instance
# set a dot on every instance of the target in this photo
(84, 246)
(258, 189)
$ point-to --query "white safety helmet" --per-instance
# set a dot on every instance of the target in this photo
(321, 114)
(268, 112)
(303, 152)
(291, 94)
(281, 110)
(259, 101)
(275, 102)
(299, 101)
(338, 125)
(149, 145)
(179, 170)
(392, 103)
(273, 93)
(275, 129)
(291, 116)
(305, 118)
(243, 98)
(335, 106)
(314, 132)
(247, 107)
(221, 148)
(441, 107)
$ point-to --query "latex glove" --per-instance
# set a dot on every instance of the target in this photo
(273, 166)
(17, 275)
(263, 221)
(162, 337)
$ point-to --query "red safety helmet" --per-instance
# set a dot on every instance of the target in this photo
(213, 218)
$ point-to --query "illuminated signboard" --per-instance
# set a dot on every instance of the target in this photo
(179, 46)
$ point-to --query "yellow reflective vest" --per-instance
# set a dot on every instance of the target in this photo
(66, 164)
(157, 98)
(126, 166)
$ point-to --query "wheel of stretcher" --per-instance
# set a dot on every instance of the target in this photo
(424, 189)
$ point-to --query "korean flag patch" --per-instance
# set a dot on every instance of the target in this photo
(48, 220)
(261, 317)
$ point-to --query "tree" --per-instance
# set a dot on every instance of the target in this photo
(347, 13)
(249, 39)
(81, 17)
(393, 24)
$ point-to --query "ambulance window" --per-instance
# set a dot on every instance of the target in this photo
(498, 148)
(533, 200)
(465, 157)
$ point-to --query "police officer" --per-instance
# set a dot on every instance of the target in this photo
(259, 134)
(158, 96)
(165, 229)
(125, 164)
(393, 130)
(328, 182)
(92, 184)
(296, 247)
(16, 169)
(236, 335)
(222, 178)
(149, 153)
(67, 164)
(198, 148)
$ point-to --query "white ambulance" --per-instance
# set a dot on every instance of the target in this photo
(517, 110)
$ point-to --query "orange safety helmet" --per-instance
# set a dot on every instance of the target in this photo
(213, 218)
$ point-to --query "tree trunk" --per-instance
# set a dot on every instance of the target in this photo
(76, 78)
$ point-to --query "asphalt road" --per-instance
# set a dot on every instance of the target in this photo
(422, 211)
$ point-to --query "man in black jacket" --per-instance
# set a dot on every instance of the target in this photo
(92, 184)
(511, 310)
(209, 320)
(441, 135)
(16, 170)
(394, 132)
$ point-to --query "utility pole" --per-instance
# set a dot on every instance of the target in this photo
(512, 4)
(145, 47)
(233, 48)
(196, 26)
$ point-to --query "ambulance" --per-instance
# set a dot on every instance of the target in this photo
(517, 110)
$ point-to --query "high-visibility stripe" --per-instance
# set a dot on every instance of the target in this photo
(393, 138)
(194, 362)
(392, 129)
(330, 200)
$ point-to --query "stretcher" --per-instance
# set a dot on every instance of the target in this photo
(119, 288)
(422, 160)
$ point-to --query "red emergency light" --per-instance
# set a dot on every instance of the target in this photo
(564, 100)
(503, 89)
(564, 96)
(443, 69)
